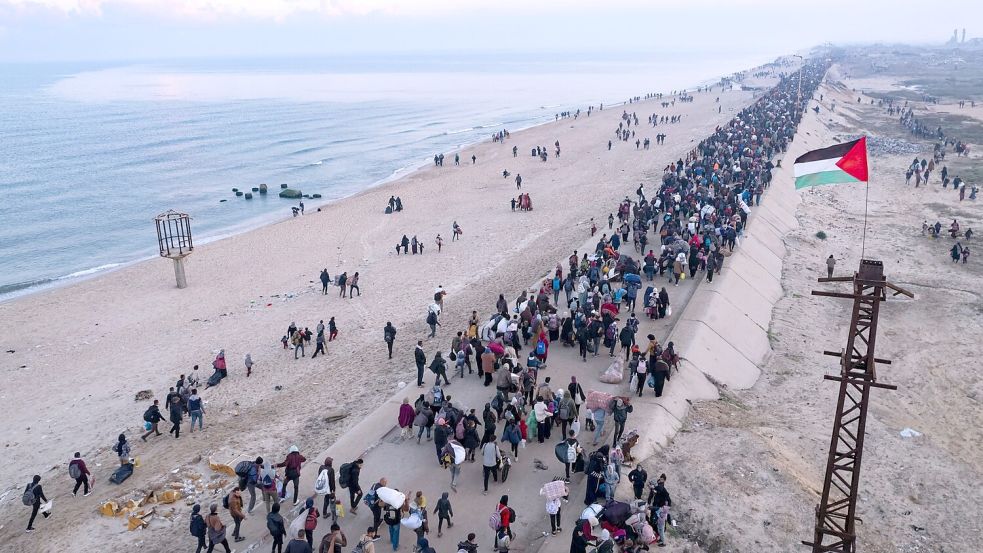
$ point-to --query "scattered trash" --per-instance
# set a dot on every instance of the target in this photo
(910, 433)
(143, 395)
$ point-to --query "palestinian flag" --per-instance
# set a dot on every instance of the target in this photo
(839, 164)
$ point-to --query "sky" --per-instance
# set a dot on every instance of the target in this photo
(125, 30)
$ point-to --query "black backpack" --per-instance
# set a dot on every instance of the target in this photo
(344, 473)
(431, 318)
(243, 468)
(197, 526)
(148, 415)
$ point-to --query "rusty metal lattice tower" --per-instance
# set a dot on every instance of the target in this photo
(836, 513)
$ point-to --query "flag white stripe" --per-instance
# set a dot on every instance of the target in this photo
(819, 166)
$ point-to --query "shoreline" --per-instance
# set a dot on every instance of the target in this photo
(22, 290)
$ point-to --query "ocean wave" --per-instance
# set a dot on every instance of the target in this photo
(91, 271)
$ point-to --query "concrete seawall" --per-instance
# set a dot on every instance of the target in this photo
(722, 332)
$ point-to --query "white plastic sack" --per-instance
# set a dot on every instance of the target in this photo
(297, 524)
(459, 453)
(391, 497)
(592, 511)
(413, 521)
(614, 374)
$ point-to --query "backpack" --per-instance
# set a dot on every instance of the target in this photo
(28, 497)
(540, 347)
(310, 523)
(268, 480)
(495, 520)
(197, 526)
(273, 528)
(243, 468)
(359, 547)
(225, 501)
(370, 499)
(74, 471)
(431, 318)
(344, 473)
(148, 415)
(564, 410)
(321, 483)
(610, 332)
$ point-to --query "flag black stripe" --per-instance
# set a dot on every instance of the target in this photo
(835, 151)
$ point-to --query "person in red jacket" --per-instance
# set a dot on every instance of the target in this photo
(82, 480)
(505, 514)
(293, 462)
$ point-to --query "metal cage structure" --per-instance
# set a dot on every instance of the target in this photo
(174, 241)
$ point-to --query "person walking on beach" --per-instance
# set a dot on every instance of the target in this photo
(332, 328)
(421, 362)
(830, 263)
(176, 415)
(198, 527)
(235, 511)
(440, 242)
(389, 335)
(80, 473)
(319, 340)
(35, 495)
(439, 367)
(353, 286)
(196, 409)
(153, 416)
(325, 280)
(474, 159)
(342, 283)
(518, 181)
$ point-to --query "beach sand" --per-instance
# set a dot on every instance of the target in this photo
(82, 352)
(747, 470)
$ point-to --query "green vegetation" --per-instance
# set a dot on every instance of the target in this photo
(821, 235)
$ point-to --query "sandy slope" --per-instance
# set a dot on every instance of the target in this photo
(82, 352)
(749, 468)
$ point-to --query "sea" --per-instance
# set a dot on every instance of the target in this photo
(90, 153)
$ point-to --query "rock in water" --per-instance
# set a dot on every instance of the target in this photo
(291, 193)
(249, 195)
(262, 189)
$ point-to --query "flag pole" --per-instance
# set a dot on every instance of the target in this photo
(863, 241)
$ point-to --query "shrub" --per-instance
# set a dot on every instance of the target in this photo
(821, 235)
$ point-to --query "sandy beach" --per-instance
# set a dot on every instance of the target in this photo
(81, 353)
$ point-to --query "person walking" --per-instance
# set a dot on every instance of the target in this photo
(275, 524)
(354, 488)
(491, 458)
(299, 544)
(332, 329)
(343, 284)
(297, 339)
(444, 512)
(235, 510)
(198, 527)
(389, 335)
(35, 494)
(176, 409)
(353, 286)
(153, 416)
(830, 263)
(216, 530)
(78, 471)
(421, 361)
(310, 520)
(196, 409)
(320, 345)
(439, 367)
(325, 280)
(333, 541)
(619, 411)
(248, 362)
(292, 463)
(122, 449)
(326, 470)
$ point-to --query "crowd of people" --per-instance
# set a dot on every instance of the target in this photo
(698, 214)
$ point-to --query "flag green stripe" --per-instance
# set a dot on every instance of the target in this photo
(825, 177)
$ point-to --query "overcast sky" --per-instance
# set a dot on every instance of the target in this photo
(109, 30)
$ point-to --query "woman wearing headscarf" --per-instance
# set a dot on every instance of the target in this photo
(405, 418)
(596, 466)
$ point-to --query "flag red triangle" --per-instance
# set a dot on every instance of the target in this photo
(854, 163)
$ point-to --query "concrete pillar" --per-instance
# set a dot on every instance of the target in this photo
(182, 281)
